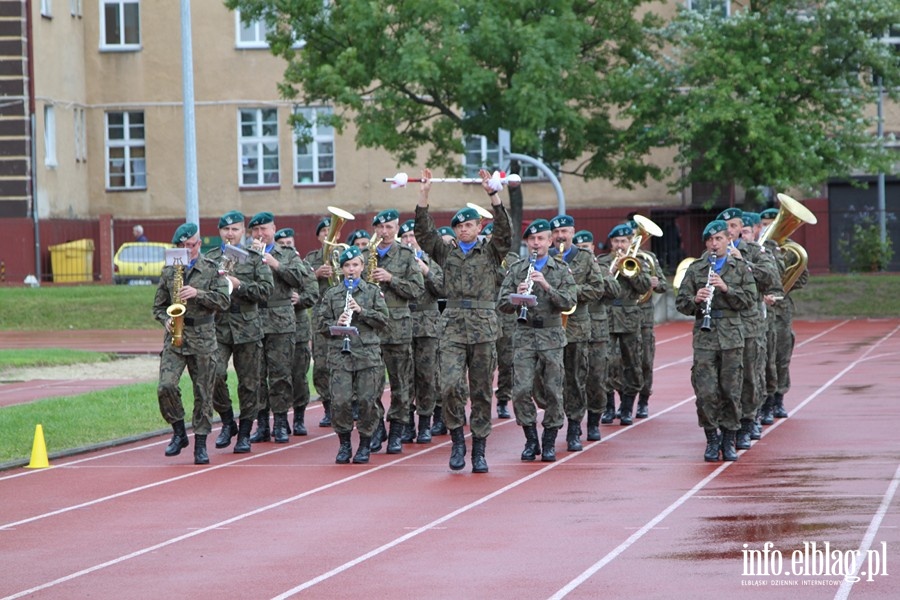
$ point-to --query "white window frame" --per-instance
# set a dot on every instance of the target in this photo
(488, 155)
(76, 8)
(49, 136)
(135, 178)
(317, 148)
(257, 143)
(80, 134)
(47, 8)
(259, 28)
(726, 4)
(121, 46)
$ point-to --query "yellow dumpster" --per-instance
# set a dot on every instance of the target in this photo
(72, 261)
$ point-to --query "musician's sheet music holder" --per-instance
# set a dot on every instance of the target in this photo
(522, 299)
(340, 330)
(238, 255)
(176, 256)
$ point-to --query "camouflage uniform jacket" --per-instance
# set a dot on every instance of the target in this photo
(406, 285)
(625, 314)
(727, 332)
(314, 260)
(309, 294)
(425, 314)
(507, 320)
(470, 316)
(648, 312)
(589, 284)
(543, 329)
(610, 290)
(277, 311)
(199, 333)
(365, 348)
(764, 268)
(241, 323)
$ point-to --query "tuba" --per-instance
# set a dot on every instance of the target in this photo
(331, 248)
(177, 309)
(791, 216)
(646, 228)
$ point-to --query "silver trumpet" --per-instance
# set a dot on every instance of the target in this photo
(527, 299)
(706, 324)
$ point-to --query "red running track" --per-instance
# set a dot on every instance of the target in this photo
(637, 515)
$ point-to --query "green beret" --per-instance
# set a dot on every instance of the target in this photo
(537, 226)
(184, 233)
(621, 230)
(582, 237)
(730, 213)
(359, 233)
(447, 231)
(326, 222)
(283, 233)
(386, 216)
(463, 215)
(488, 229)
(562, 221)
(408, 226)
(349, 254)
(230, 218)
(769, 213)
(713, 228)
(749, 219)
(632, 223)
(261, 219)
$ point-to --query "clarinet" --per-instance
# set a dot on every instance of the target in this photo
(529, 284)
(345, 348)
(706, 325)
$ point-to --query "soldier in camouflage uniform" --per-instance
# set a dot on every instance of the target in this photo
(394, 269)
(718, 353)
(359, 238)
(426, 334)
(276, 378)
(504, 343)
(302, 299)
(323, 270)
(203, 293)
(596, 383)
(239, 334)
(625, 323)
(539, 340)
(359, 372)
(587, 277)
(469, 321)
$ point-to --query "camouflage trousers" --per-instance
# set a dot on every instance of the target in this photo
(366, 386)
(425, 377)
(246, 358)
(276, 380)
(784, 349)
(717, 376)
(202, 369)
(648, 356)
(299, 382)
(505, 353)
(598, 371)
(575, 360)
(753, 386)
(625, 373)
(478, 361)
(398, 361)
(321, 374)
(539, 378)
(771, 369)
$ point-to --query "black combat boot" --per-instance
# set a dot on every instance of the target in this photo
(573, 435)
(713, 444)
(229, 429)
(394, 445)
(778, 406)
(642, 411)
(742, 440)
(609, 413)
(179, 439)
(280, 433)
(378, 437)
(766, 414)
(344, 450)
(362, 453)
(242, 445)
(300, 421)
(756, 429)
(409, 428)
(438, 427)
(548, 445)
(458, 449)
(728, 451)
(325, 421)
(200, 455)
(424, 436)
(593, 426)
(262, 428)
(479, 463)
(532, 445)
(503, 409)
(625, 409)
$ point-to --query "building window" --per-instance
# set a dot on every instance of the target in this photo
(75, 7)
(80, 136)
(250, 35)
(120, 25)
(715, 7)
(258, 141)
(126, 167)
(314, 153)
(480, 153)
(49, 136)
(47, 8)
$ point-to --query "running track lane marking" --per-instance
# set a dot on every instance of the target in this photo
(615, 553)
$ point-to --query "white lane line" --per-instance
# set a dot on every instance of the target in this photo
(616, 552)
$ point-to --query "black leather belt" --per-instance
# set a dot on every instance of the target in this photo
(274, 303)
(471, 304)
(194, 321)
(237, 308)
(719, 313)
(620, 302)
(542, 323)
(422, 307)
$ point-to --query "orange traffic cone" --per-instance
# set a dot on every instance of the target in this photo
(38, 450)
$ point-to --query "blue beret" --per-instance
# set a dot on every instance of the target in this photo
(583, 236)
(350, 253)
(283, 233)
(408, 226)
(562, 221)
(359, 233)
(537, 226)
(385, 216)
(713, 228)
(230, 218)
(326, 222)
(261, 219)
(447, 231)
(488, 229)
(184, 233)
(769, 213)
(621, 230)
(463, 215)
(730, 213)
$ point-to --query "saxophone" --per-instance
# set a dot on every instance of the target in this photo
(373, 259)
(177, 309)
